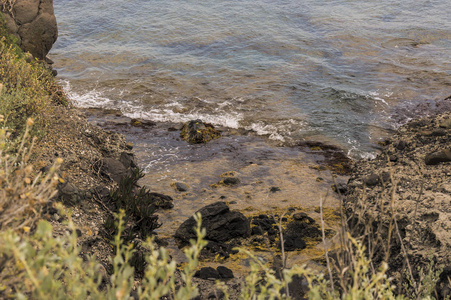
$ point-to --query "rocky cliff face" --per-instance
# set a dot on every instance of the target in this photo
(33, 22)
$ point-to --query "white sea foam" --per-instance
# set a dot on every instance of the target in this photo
(377, 95)
(92, 98)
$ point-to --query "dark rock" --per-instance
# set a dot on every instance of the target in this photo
(293, 242)
(114, 169)
(439, 132)
(129, 145)
(371, 180)
(207, 273)
(257, 230)
(196, 132)
(101, 192)
(303, 217)
(128, 160)
(68, 193)
(265, 224)
(443, 286)
(180, 186)
(430, 217)
(220, 223)
(217, 248)
(385, 177)
(162, 201)
(224, 272)
(401, 145)
(217, 294)
(231, 181)
(437, 157)
(393, 158)
(142, 123)
(302, 229)
(299, 287)
(274, 189)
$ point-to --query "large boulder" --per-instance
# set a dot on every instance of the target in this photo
(33, 22)
(220, 223)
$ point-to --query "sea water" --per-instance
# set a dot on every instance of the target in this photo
(346, 71)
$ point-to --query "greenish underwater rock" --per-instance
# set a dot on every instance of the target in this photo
(197, 132)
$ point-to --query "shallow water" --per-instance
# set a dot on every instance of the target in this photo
(335, 71)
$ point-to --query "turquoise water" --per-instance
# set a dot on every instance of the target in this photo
(347, 72)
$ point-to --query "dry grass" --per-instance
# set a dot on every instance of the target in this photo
(23, 193)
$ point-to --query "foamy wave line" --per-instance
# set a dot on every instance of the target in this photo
(92, 98)
(167, 115)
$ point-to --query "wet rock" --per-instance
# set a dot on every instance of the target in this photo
(207, 273)
(263, 224)
(303, 217)
(220, 223)
(293, 242)
(129, 145)
(180, 186)
(161, 201)
(274, 189)
(142, 123)
(296, 231)
(303, 229)
(231, 181)
(437, 157)
(196, 132)
(217, 248)
(224, 272)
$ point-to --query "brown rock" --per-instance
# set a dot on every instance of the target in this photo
(26, 11)
(33, 22)
(437, 157)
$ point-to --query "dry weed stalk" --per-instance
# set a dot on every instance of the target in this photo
(23, 194)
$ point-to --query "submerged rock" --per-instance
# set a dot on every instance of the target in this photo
(220, 223)
(180, 186)
(197, 132)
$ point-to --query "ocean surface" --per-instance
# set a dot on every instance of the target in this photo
(347, 71)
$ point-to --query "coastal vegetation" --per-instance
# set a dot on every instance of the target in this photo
(36, 263)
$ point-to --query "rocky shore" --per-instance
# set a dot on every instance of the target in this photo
(401, 201)
(409, 180)
(251, 194)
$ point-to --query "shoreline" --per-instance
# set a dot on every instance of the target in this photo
(232, 195)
